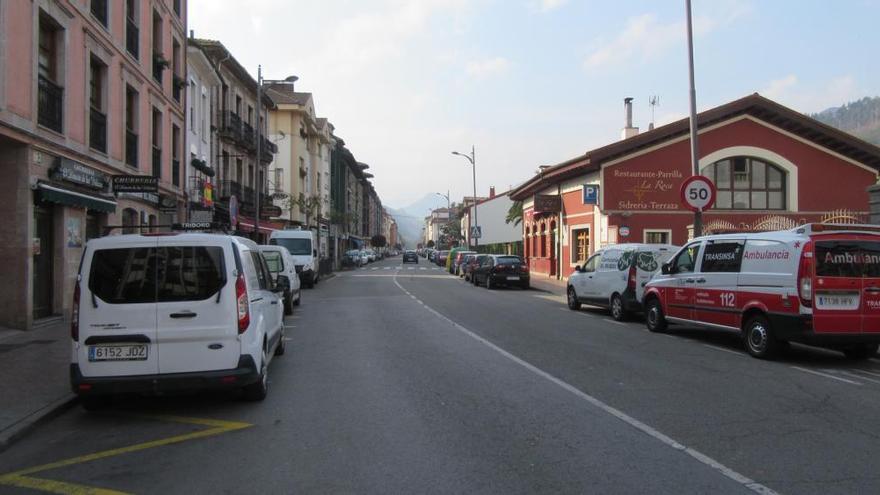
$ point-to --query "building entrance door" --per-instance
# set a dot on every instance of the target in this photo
(43, 246)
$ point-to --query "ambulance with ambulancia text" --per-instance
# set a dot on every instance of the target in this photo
(818, 284)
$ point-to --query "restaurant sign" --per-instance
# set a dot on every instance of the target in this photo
(642, 188)
(135, 184)
(547, 203)
(77, 173)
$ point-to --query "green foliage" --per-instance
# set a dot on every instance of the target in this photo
(515, 213)
(430, 243)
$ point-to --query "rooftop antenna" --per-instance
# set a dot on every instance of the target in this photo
(654, 101)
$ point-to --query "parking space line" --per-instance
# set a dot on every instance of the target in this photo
(22, 478)
(826, 375)
(710, 346)
(852, 375)
(872, 373)
(614, 321)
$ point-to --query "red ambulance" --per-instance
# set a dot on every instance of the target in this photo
(818, 284)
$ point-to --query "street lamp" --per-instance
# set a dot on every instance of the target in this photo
(448, 206)
(472, 159)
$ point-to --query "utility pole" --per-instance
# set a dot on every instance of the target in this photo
(473, 159)
(259, 139)
(695, 155)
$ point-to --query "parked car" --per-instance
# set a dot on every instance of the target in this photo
(440, 258)
(459, 257)
(450, 257)
(501, 269)
(156, 313)
(615, 277)
(301, 245)
(470, 263)
(818, 284)
(365, 257)
(283, 271)
(353, 257)
(410, 257)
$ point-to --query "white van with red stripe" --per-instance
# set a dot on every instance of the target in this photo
(818, 284)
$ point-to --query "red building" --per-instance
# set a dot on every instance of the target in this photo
(774, 168)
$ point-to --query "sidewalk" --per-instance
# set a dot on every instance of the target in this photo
(546, 284)
(35, 384)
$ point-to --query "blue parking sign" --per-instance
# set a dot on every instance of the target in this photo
(591, 194)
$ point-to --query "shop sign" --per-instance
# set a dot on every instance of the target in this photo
(135, 184)
(547, 203)
(591, 194)
(68, 170)
(270, 210)
(150, 198)
(167, 204)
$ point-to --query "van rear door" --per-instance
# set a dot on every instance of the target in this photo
(839, 284)
(117, 310)
(871, 286)
(197, 319)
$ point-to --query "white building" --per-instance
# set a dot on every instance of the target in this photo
(491, 215)
(200, 156)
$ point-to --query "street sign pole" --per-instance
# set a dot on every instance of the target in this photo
(695, 156)
(259, 158)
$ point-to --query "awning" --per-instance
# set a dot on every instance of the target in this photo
(72, 198)
(263, 228)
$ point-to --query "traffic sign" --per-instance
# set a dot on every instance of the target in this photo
(698, 193)
(476, 232)
(233, 212)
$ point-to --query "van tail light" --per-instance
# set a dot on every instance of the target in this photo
(74, 315)
(631, 278)
(241, 298)
(805, 277)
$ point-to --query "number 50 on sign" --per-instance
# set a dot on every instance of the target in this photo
(698, 193)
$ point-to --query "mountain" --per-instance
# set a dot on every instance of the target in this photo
(860, 118)
(410, 219)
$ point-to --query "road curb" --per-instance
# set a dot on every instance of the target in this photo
(20, 429)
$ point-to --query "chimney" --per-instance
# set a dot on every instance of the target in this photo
(628, 131)
(192, 34)
(491, 192)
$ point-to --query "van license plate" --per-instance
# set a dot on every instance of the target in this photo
(133, 352)
(838, 301)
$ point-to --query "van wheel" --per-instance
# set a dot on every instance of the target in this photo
(288, 306)
(298, 298)
(281, 347)
(861, 351)
(617, 311)
(759, 339)
(94, 403)
(258, 390)
(573, 303)
(654, 317)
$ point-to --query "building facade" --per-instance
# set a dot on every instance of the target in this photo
(772, 167)
(89, 89)
(200, 156)
(496, 235)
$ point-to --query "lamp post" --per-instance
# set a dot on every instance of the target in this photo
(472, 159)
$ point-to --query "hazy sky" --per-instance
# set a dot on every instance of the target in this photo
(534, 82)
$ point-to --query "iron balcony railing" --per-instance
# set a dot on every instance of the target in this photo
(245, 194)
(132, 38)
(157, 161)
(230, 125)
(131, 148)
(50, 104)
(97, 130)
(247, 136)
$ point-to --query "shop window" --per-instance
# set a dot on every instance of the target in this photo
(747, 183)
(657, 236)
(581, 248)
(129, 221)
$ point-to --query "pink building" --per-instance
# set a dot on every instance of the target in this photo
(89, 89)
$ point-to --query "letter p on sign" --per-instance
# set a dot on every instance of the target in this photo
(698, 193)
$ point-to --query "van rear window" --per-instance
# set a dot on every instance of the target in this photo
(147, 275)
(848, 259)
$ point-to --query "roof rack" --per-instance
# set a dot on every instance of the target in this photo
(206, 227)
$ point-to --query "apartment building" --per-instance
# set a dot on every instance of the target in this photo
(89, 90)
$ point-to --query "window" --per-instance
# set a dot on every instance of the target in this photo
(746, 183)
(202, 115)
(593, 263)
(99, 10)
(159, 62)
(132, 33)
(131, 119)
(261, 270)
(581, 247)
(157, 143)
(722, 256)
(189, 273)
(176, 7)
(175, 155)
(97, 115)
(177, 82)
(296, 247)
(657, 236)
(274, 261)
(852, 259)
(129, 220)
(279, 179)
(50, 97)
(192, 106)
(685, 262)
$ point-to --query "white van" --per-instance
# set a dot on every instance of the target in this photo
(301, 245)
(818, 284)
(163, 312)
(283, 272)
(615, 277)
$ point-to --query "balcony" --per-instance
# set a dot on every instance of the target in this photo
(132, 38)
(97, 130)
(229, 188)
(159, 65)
(50, 104)
(247, 137)
(157, 161)
(268, 150)
(230, 126)
(131, 148)
(177, 85)
(175, 172)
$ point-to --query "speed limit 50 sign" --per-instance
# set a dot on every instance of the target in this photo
(698, 193)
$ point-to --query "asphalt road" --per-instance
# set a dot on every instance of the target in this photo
(406, 380)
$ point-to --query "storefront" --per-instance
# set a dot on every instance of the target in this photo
(773, 169)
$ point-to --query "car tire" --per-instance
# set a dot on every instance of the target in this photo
(298, 298)
(655, 320)
(281, 347)
(288, 305)
(759, 339)
(572, 300)
(861, 352)
(617, 310)
(258, 390)
(489, 284)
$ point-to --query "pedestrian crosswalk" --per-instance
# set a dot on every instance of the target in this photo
(423, 268)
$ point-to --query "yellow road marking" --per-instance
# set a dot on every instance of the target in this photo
(20, 478)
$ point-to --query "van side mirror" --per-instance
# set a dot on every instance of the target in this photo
(282, 283)
(315, 253)
(665, 269)
(577, 268)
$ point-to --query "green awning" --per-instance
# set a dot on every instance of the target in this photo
(73, 198)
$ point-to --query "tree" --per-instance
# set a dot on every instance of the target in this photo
(430, 243)
(450, 234)
(378, 241)
(515, 213)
